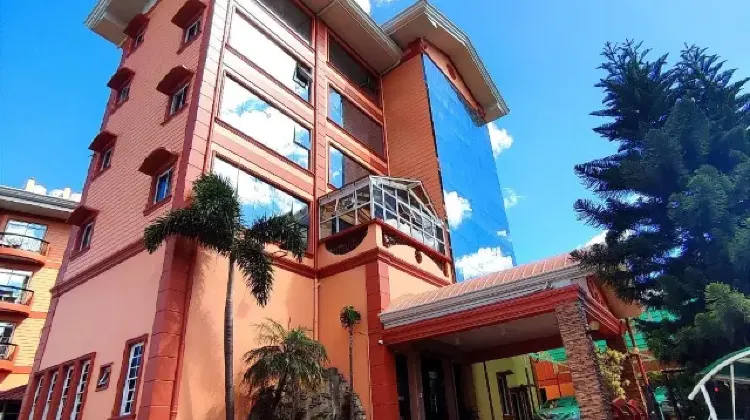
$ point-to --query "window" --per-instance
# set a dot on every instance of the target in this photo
(106, 159)
(13, 284)
(37, 391)
(342, 169)
(259, 198)
(192, 31)
(363, 128)
(163, 186)
(6, 336)
(294, 17)
(138, 39)
(123, 93)
(67, 379)
(75, 413)
(129, 387)
(255, 45)
(253, 116)
(502, 386)
(86, 233)
(357, 74)
(24, 235)
(105, 372)
(50, 392)
(178, 100)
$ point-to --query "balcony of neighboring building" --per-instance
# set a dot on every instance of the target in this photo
(23, 248)
(382, 217)
(15, 300)
(8, 353)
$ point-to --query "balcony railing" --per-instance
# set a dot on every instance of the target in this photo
(23, 242)
(17, 295)
(7, 351)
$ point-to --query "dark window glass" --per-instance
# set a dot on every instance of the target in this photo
(261, 199)
(124, 93)
(292, 16)
(192, 31)
(178, 100)
(88, 231)
(344, 113)
(353, 70)
(265, 124)
(139, 38)
(342, 169)
(106, 159)
(266, 54)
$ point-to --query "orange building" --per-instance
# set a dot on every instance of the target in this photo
(33, 238)
(367, 133)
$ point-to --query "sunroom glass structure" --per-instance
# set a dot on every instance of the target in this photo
(401, 203)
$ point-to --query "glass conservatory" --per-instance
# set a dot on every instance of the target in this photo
(401, 203)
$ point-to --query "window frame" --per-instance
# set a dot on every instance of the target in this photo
(504, 393)
(124, 368)
(35, 397)
(183, 90)
(105, 159)
(125, 88)
(378, 101)
(309, 43)
(345, 155)
(138, 39)
(332, 87)
(169, 175)
(187, 36)
(105, 372)
(65, 387)
(85, 236)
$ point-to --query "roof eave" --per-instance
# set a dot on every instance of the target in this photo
(36, 204)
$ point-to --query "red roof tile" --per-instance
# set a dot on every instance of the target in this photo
(510, 275)
(13, 394)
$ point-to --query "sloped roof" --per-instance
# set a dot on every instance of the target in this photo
(484, 283)
(13, 394)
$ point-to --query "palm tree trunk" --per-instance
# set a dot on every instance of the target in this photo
(277, 394)
(228, 345)
(351, 374)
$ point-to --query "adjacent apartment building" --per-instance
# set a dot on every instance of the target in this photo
(33, 238)
(373, 135)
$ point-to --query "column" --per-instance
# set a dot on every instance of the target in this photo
(587, 377)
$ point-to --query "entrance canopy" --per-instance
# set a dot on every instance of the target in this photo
(507, 313)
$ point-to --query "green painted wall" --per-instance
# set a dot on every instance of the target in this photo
(522, 375)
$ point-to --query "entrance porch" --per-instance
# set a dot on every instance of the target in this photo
(452, 349)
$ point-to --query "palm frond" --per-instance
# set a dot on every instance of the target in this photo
(349, 317)
(256, 266)
(283, 230)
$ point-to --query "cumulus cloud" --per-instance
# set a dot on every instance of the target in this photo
(510, 197)
(457, 208)
(500, 139)
(365, 5)
(484, 261)
(502, 233)
(598, 239)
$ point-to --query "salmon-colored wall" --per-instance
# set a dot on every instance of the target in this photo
(402, 283)
(337, 291)
(409, 128)
(100, 316)
(121, 193)
(201, 390)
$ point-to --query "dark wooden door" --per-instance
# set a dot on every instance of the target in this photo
(433, 389)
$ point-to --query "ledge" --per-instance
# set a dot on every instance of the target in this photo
(20, 255)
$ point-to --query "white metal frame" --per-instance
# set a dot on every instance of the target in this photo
(135, 360)
(740, 357)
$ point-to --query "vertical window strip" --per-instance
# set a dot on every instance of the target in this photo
(80, 390)
(50, 391)
(131, 381)
(37, 391)
(64, 396)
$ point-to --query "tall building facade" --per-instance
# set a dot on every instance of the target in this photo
(33, 239)
(372, 136)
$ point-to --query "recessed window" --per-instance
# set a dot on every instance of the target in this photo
(352, 119)
(249, 40)
(289, 13)
(106, 160)
(129, 388)
(123, 93)
(192, 31)
(342, 169)
(83, 380)
(37, 391)
(264, 123)
(163, 186)
(86, 233)
(67, 379)
(178, 100)
(138, 39)
(50, 392)
(24, 235)
(105, 373)
(357, 73)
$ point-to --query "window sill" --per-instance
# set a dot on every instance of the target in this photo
(184, 45)
(78, 253)
(101, 388)
(150, 208)
(170, 117)
(99, 173)
(125, 417)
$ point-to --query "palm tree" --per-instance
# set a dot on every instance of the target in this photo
(213, 220)
(350, 317)
(286, 357)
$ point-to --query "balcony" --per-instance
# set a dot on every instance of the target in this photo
(23, 248)
(15, 300)
(7, 356)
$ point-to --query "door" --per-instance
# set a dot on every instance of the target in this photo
(402, 386)
(433, 389)
(521, 405)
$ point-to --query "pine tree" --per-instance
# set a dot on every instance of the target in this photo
(675, 197)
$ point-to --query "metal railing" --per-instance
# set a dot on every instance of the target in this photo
(17, 295)
(7, 350)
(23, 242)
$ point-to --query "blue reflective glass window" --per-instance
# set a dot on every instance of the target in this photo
(163, 186)
(259, 198)
(270, 57)
(342, 169)
(289, 13)
(357, 74)
(245, 111)
(354, 121)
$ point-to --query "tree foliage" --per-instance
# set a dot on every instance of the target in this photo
(675, 197)
(612, 364)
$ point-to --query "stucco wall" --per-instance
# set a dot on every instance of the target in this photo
(522, 375)
(202, 386)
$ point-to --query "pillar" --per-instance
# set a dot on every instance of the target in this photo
(587, 376)
(633, 389)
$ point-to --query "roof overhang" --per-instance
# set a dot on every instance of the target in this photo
(359, 31)
(424, 21)
(109, 18)
(28, 202)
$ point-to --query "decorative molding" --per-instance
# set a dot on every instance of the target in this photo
(345, 244)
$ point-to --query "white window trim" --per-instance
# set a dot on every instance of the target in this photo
(172, 99)
(195, 25)
(86, 235)
(130, 377)
(140, 35)
(80, 390)
(106, 158)
(50, 391)
(167, 173)
(64, 396)
(34, 401)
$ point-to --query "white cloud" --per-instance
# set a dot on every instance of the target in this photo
(500, 139)
(365, 5)
(502, 233)
(510, 197)
(598, 239)
(456, 207)
(484, 261)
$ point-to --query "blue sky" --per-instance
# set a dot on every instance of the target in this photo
(542, 54)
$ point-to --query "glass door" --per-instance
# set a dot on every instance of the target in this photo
(433, 389)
